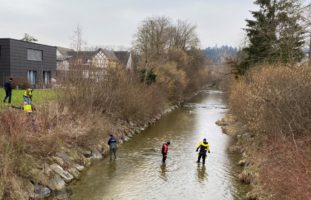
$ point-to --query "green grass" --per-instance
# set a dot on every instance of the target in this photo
(39, 96)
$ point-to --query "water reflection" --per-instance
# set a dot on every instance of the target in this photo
(163, 171)
(138, 173)
(111, 170)
(201, 173)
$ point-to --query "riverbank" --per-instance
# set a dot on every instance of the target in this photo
(42, 152)
(268, 161)
(270, 120)
(138, 173)
(257, 160)
(243, 146)
(43, 174)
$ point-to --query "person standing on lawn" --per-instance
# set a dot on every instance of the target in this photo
(8, 91)
(28, 95)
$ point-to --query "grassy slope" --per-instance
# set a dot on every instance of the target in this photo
(39, 96)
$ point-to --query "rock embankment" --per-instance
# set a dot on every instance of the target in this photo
(231, 126)
(49, 180)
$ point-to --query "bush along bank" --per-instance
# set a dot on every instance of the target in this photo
(44, 151)
(243, 140)
(44, 171)
(270, 118)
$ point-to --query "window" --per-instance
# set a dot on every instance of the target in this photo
(32, 77)
(47, 77)
(35, 55)
(0, 50)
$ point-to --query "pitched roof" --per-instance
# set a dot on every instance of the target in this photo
(84, 55)
(64, 53)
(123, 56)
(109, 54)
(87, 55)
(64, 50)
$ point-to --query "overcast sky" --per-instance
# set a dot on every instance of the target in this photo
(114, 22)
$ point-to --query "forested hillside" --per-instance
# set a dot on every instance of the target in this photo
(218, 54)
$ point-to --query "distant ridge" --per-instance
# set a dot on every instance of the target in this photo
(218, 54)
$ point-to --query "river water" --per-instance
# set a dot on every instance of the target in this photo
(138, 173)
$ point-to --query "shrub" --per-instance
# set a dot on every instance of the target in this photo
(21, 83)
(275, 103)
(28, 141)
(115, 93)
(172, 79)
(286, 171)
(274, 100)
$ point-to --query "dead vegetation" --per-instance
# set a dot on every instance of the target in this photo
(29, 141)
(285, 173)
(275, 104)
(17, 142)
(84, 113)
(93, 102)
(116, 93)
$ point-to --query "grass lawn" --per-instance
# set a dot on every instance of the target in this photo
(39, 96)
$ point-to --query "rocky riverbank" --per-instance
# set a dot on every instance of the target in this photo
(50, 180)
(243, 146)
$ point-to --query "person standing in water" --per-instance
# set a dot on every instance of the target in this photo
(204, 148)
(112, 142)
(165, 151)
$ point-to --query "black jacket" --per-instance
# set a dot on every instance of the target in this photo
(8, 86)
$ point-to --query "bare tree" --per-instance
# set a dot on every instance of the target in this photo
(152, 37)
(184, 36)
(157, 35)
(77, 45)
(78, 42)
(29, 38)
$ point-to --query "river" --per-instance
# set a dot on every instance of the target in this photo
(138, 173)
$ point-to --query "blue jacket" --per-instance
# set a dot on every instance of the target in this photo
(112, 142)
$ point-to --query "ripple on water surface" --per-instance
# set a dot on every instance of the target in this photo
(138, 173)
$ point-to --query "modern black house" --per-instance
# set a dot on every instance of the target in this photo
(26, 61)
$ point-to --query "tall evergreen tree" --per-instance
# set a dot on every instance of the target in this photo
(274, 34)
(290, 32)
(261, 35)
